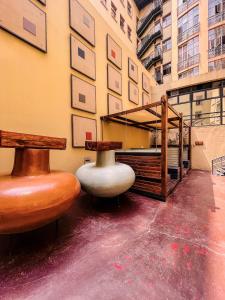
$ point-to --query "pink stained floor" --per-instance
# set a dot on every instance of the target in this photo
(137, 248)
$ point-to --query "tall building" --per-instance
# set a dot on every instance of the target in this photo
(182, 44)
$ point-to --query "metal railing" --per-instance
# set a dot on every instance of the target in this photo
(186, 6)
(219, 50)
(187, 33)
(191, 61)
(154, 34)
(217, 65)
(216, 18)
(154, 57)
(218, 166)
(150, 16)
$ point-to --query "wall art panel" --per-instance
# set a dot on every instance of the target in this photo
(24, 20)
(82, 22)
(114, 52)
(133, 92)
(83, 95)
(83, 129)
(82, 58)
(114, 80)
(115, 105)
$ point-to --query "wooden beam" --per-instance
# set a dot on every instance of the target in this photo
(164, 148)
(181, 146)
(189, 148)
(172, 109)
(133, 122)
(125, 112)
(23, 140)
(102, 146)
(125, 124)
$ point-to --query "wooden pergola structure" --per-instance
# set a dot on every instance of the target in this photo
(157, 116)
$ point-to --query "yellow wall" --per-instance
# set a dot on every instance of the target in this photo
(35, 87)
(214, 146)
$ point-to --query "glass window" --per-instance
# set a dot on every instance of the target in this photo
(167, 69)
(129, 32)
(167, 45)
(206, 113)
(167, 20)
(184, 98)
(113, 10)
(189, 49)
(122, 23)
(217, 41)
(189, 73)
(188, 21)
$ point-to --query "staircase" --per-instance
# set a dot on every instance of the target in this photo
(218, 166)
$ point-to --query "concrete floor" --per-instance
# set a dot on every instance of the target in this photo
(140, 249)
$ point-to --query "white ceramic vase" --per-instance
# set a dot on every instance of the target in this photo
(106, 178)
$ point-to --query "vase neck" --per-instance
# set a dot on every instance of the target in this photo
(105, 158)
(31, 162)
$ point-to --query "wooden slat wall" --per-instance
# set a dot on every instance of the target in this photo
(147, 169)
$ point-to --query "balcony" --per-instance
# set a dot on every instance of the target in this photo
(188, 33)
(151, 15)
(217, 65)
(217, 51)
(148, 40)
(191, 61)
(185, 6)
(152, 59)
(216, 18)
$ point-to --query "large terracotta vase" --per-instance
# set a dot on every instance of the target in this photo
(32, 196)
(105, 178)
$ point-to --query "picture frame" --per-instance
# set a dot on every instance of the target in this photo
(83, 129)
(115, 104)
(132, 70)
(83, 95)
(133, 92)
(145, 98)
(114, 80)
(145, 83)
(114, 52)
(82, 59)
(26, 21)
(82, 22)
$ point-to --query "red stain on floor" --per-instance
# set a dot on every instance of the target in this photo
(118, 267)
(186, 249)
(175, 246)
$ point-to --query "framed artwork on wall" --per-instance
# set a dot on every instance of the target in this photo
(114, 80)
(83, 129)
(145, 83)
(145, 98)
(26, 21)
(83, 95)
(82, 22)
(114, 52)
(82, 58)
(115, 105)
(42, 2)
(132, 70)
(133, 92)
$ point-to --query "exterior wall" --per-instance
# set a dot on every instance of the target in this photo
(105, 12)
(214, 146)
(35, 87)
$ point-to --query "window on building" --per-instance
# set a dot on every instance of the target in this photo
(104, 3)
(167, 45)
(113, 10)
(158, 75)
(122, 2)
(129, 32)
(218, 64)
(216, 10)
(217, 41)
(167, 20)
(129, 9)
(122, 23)
(188, 54)
(189, 73)
(167, 69)
(188, 24)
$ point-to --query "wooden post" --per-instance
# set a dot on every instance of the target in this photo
(181, 146)
(164, 149)
(189, 147)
